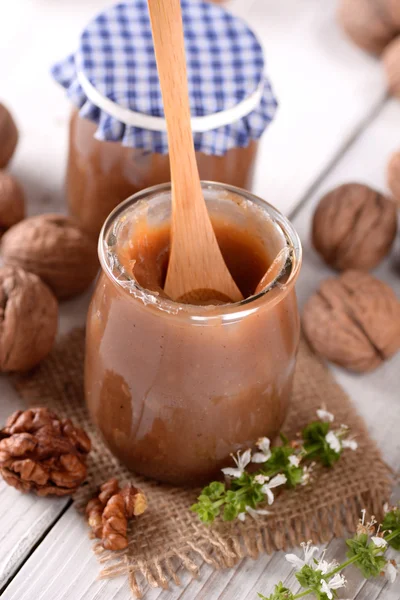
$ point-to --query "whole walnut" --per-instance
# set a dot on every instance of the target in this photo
(12, 201)
(391, 11)
(354, 227)
(8, 136)
(393, 174)
(353, 321)
(41, 453)
(391, 62)
(54, 248)
(28, 319)
(371, 24)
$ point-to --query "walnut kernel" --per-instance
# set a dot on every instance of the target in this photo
(54, 248)
(41, 453)
(28, 319)
(353, 321)
(354, 227)
(108, 513)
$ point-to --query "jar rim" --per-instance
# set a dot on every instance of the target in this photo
(232, 310)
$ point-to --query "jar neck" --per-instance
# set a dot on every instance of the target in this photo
(154, 203)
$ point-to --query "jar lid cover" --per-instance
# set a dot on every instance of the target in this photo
(113, 80)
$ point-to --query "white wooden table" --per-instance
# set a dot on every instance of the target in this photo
(334, 125)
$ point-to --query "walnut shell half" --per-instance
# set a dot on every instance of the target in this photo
(370, 24)
(12, 201)
(393, 175)
(354, 227)
(391, 62)
(8, 136)
(28, 319)
(54, 248)
(353, 321)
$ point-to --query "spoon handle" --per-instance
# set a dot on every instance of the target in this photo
(196, 263)
(166, 22)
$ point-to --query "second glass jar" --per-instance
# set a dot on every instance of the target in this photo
(102, 174)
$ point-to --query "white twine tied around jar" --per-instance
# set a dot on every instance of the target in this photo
(151, 123)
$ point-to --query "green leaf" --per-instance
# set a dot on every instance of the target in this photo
(284, 439)
(308, 577)
(280, 593)
(391, 522)
(316, 446)
(245, 491)
(233, 506)
(210, 501)
(279, 463)
(215, 490)
(369, 559)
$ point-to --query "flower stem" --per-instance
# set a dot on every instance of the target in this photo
(340, 567)
(392, 535)
(302, 594)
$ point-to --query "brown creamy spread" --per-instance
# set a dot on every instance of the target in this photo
(175, 390)
(146, 255)
(101, 174)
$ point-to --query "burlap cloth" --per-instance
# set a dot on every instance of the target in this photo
(168, 536)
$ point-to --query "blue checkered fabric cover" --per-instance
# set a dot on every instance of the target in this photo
(225, 65)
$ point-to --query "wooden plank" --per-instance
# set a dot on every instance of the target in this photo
(19, 535)
(375, 394)
(322, 102)
(24, 518)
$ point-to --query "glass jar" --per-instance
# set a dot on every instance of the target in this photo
(101, 174)
(175, 388)
(118, 142)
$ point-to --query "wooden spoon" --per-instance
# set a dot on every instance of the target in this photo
(274, 270)
(197, 272)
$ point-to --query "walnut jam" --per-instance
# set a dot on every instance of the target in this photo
(101, 174)
(176, 388)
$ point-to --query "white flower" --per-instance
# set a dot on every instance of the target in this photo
(261, 478)
(273, 483)
(307, 473)
(241, 461)
(391, 570)
(352, 444)
(325, 416)
(263, 444)
(309, 552)
(335, 583)
(294, 460)
(253, 513)
(333, 441)
(379, 542)
(325, 567)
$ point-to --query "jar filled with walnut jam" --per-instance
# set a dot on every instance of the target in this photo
(117, 133)
(176, 388)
